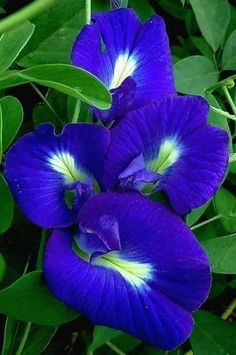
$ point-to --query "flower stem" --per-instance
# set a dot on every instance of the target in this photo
(24, 14)
(114, 348)
(229, 99)
(76, 111)
(24, 338)
(207, 221)
(223, 113)
(41, 250)
(45, 100)
(229, 310)
(88, 11)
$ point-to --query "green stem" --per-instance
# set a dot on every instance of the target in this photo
(229, 99)
(223, 113)
(229, 310)
(24, 339)
(207, 221)
(114, 348)
(232, 158)
(88, 11)
(76, 111)
(24, 14)
(41, 250)
(45, 100)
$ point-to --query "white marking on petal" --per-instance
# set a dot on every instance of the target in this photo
(64, 163)
(137, 273)
(125, 65)
(169, 153)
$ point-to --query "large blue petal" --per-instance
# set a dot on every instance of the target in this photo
(41, 166)
(176, 142)
(122, 48)
(149, 287)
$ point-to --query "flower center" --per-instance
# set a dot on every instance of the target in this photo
(99, 244)
(168, 154)
(125, 65)
(64, 163)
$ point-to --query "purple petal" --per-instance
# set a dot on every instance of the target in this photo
(123, 47)
(177, 143)
(41, 166)
(149, 287)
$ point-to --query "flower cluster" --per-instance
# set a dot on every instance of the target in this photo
(120, 258)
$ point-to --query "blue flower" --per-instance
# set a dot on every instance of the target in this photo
(132, 265)
(168, 146)
(51, 175)
(132, 59)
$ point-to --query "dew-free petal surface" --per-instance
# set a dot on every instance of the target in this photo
(42, 165)
(149, 287)
(173, 136)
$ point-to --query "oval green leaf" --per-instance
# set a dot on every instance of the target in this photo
(6, 205)
(12, 117)
(221, 252)
(195, 74)
(225, 204)
(212, 335)
(65, 78)
(12, 43)
(228, 56)
(213, 18)
(37, 304)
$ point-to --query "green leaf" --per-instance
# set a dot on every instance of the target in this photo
(194, 74)
(225, 204)
(213, 18)
(221, 252)
(228, 56)
(55, 32)
(174, 8)
(232, 21)
(1, 124)
(201, 44)
(9, 334)
(219, 284)
(217, 119)
(196, 214)
(6, 205)
(64, 78)
(12, 117)
(38, 339)
(143, 8)
(2, 267)
(101, 335)
(12, 43)
(232, 284)
(233, 164)
(37, 304)
(126, 342)
(212, 335)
